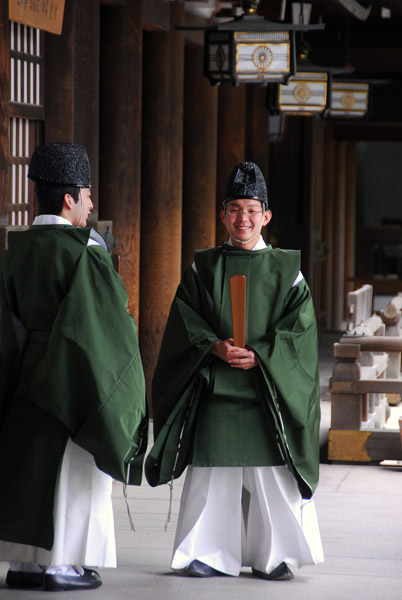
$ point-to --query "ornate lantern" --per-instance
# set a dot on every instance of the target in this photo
(349, 99)
(250, 49)
(306, 92)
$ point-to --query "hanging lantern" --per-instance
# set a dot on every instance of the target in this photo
(349, 99)
(250, 49)
(306, 92)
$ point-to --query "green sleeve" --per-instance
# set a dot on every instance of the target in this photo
(288, 360)
(91, 376)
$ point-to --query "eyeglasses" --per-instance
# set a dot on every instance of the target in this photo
(238, 212)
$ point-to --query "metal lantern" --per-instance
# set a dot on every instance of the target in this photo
(306, 92)
(250, 49)
(348, 99)
(248, 55)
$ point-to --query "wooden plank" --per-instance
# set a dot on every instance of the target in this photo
(238, 299)
(48, 17)
(384, 445)
(378, 386)
(374, 343)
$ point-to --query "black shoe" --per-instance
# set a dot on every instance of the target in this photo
(280, 573)
(22, 579)
(200, 569)
(88, 581)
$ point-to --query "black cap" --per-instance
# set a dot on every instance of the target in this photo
(246, 181)
(60, 163)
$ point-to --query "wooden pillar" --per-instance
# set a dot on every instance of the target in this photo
(328, 226)
(314, 168)
(350, 219)
(199, 157)
(120, 137)
(257, 133)
(231, 141)
(161, 214)
(4, 100)
(72, 82)
(338, 315)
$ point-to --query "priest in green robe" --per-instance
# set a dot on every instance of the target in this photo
(72, 396)
(244, 420)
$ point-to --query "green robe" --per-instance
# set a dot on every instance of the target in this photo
(80, 374)
(207, 413)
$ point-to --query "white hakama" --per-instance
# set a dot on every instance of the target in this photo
(83, 517)
(245, 516)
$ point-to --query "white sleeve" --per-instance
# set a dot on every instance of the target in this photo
(298, 279)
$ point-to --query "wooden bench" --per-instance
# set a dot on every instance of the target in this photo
(366, 383)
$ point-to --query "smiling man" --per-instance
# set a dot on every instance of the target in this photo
(244, 420)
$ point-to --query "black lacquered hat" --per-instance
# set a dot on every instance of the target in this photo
(60, 163)
(246, 181)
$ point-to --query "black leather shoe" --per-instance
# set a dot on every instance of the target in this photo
(280, 573)
(88, 581)
(21, 579)
(200, 569)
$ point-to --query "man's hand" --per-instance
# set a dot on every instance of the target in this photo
(239, 358)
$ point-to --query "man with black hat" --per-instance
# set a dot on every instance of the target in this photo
(72, 396)
(245, 419)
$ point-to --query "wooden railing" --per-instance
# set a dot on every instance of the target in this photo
(366, 383)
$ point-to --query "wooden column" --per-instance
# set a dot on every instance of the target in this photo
(350, 218)
(338, 315)
(4, 100)
(161, 184)
(257, 134)
(120, 137)
(231, 141)
(312, 217)
(72, 82)
(199, 157)
(328, 226)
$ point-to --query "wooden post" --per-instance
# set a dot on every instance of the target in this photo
(257, 135)
(231, 142)
(72, 82)
(199, 157)
(350, 217)
(328, 223)
(4, 100)
(161, 209)
(312, 218)
(338, 316)
(120, 137)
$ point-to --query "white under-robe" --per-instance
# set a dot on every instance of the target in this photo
(245, 516)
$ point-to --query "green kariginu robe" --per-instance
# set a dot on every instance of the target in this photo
(207, 413)
(78, 375)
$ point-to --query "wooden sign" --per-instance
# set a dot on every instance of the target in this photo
(238, 299)
(41, 14)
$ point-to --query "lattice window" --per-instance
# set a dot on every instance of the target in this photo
(25, 64)
(26, 117)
